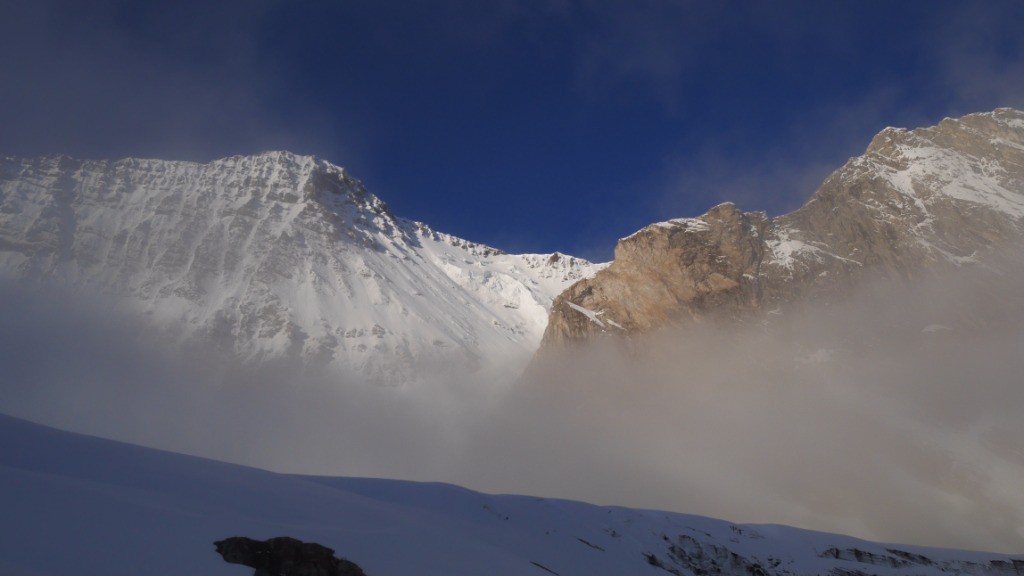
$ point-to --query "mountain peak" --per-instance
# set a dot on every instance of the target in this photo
(277, 256)
(945, 195)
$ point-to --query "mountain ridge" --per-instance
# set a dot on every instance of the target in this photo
(277, 257)
(916, 200)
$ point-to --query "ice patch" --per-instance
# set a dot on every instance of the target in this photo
(588, 313)
(952, 175)
(785, 251)
(687, 224)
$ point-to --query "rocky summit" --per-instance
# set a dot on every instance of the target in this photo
(917, 201)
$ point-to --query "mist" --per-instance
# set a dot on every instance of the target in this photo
(893, 415)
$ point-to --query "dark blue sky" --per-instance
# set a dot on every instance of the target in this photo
(529, 125)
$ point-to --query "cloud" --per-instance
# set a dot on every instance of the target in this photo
(816, 103)
(780, 174)
(88, 363)
(892, 416)
(127, 79)
(647, 47)
(978, 56)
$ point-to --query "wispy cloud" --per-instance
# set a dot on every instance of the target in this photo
(978, 53)
(637, 49)
(127, 79)
(968, 60)
(781, 171)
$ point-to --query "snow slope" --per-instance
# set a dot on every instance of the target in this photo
(278, 257)
(80, 505)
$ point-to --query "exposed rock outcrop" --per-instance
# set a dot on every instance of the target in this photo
(916, 202)
(284, 556)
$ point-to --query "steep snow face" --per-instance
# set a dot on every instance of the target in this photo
(278, 257)
(79, 505)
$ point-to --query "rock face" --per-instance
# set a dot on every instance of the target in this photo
(916, 201)
(277, 257)
(284, 556)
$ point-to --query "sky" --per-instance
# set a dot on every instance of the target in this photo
(532, 126)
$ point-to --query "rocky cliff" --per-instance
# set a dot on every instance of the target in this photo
(917, 201)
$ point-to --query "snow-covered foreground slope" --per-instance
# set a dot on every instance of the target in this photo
(80, 505)
(278, 257)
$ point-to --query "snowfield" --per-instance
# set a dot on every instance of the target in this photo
(75, 504)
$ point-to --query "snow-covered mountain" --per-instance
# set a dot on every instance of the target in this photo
(278, 257)
(74, 504)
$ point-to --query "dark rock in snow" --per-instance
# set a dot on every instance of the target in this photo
(284, 556)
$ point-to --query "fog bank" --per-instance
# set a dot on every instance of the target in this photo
(894, 416)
